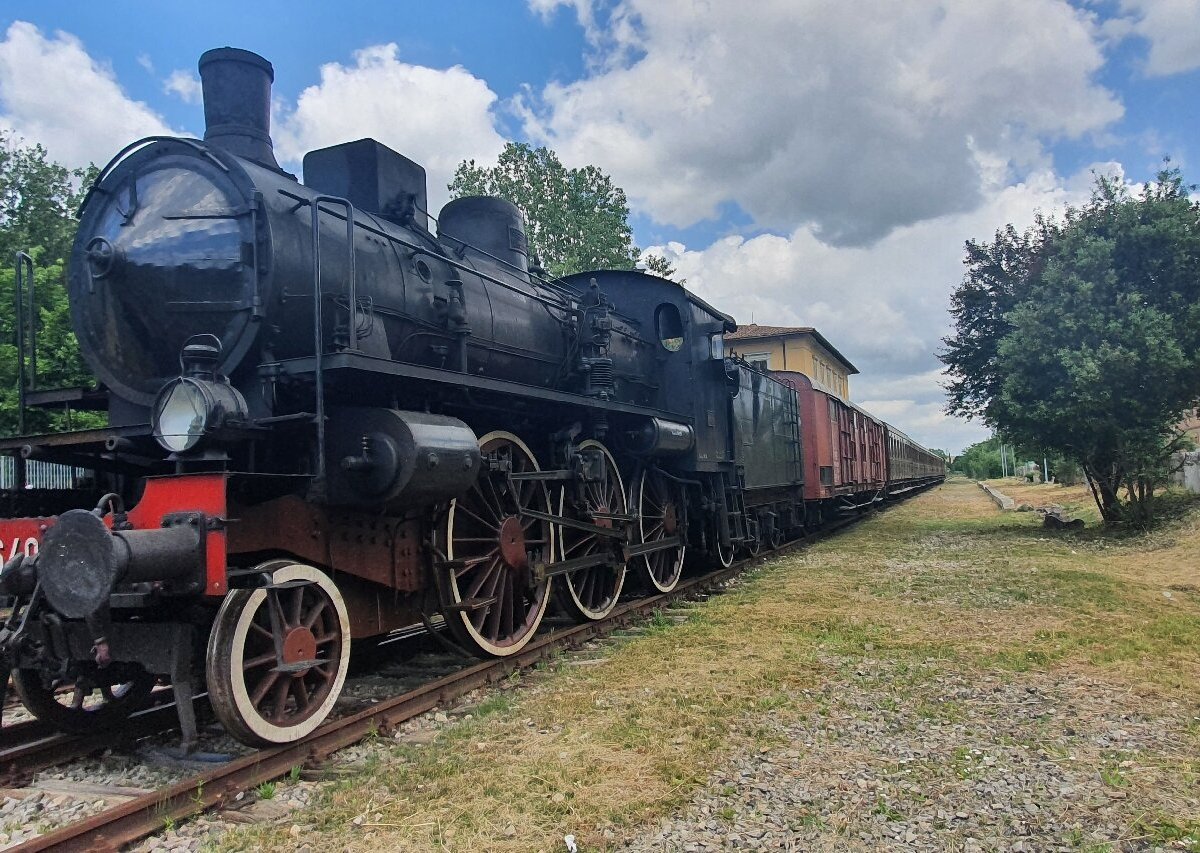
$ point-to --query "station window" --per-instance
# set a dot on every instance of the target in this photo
(759, 360)
(669, 326)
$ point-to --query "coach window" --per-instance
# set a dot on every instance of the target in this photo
(669, 327)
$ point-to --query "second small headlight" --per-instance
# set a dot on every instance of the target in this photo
(181, 415)
(191, 410)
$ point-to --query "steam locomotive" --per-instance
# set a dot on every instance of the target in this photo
(327, 421)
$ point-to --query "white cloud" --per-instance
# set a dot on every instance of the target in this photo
(185, 85)
(851, 118)
(1172, 27)
(433, 116)
(883, 306)
(53, 92)
(584, 11)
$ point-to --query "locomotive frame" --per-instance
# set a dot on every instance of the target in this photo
(309, 447)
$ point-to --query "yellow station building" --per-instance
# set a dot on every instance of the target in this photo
(799, 348)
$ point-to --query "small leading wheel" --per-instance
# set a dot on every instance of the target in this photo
(660, 514)
(592, 593)
(489, 597)
(90, 702)
(303, 617)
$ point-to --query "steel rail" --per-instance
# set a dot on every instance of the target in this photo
(16, 734)
(40, 746)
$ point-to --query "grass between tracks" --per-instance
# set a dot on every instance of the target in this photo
(942, 582)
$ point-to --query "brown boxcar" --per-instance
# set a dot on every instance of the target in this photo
(843, 444)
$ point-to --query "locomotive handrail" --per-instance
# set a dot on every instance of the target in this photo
(23, 264)
(24, 277)
(318, 337)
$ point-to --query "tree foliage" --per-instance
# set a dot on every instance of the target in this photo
(660, 266)
(38, 201)
(1081, 335)
(576, 219)
(980, 461)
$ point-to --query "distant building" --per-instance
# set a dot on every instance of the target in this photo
(799, 348)
(1190, 424)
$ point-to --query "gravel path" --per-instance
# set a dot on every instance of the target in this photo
(964, 762)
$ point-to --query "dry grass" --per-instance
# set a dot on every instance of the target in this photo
(943, 582)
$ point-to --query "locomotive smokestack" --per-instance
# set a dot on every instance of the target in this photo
(237, 103)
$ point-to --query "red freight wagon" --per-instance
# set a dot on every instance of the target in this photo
(844, 445)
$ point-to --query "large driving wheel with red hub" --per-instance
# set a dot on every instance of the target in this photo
(489, 596)
(277, 657)
(661, 517)
(591, 593)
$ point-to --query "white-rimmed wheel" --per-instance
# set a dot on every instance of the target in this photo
(259, 698)
(660, 514)
(591, 593)
(489, 597)
(724, 553)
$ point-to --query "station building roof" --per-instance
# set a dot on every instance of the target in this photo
(754, 332)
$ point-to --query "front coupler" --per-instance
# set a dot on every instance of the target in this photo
(65, 594)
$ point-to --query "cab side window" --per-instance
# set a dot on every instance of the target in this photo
(669, 327)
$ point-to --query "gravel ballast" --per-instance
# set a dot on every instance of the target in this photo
(959, 762)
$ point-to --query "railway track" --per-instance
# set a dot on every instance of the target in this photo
(130, 821)
(31, 745)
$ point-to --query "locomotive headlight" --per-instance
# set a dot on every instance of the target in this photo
(181, 415)
(201, 403)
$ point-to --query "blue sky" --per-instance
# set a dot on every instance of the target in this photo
(799, 162)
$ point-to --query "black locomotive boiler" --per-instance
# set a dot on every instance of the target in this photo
(328, 421)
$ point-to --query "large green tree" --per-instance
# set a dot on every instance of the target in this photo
(38, 202)
(1081, 335)
(577, 219)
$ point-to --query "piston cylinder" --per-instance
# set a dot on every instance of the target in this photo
(392, 459)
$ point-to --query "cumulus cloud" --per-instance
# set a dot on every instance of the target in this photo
(1172, 28)
(852, 119)
(884, 305)
(185, 85)
(53, 92)
(437, 117)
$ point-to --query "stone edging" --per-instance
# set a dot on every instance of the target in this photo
(1002, 500)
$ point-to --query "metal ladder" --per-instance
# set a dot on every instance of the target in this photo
(792, 419)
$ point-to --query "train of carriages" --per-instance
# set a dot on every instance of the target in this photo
(327, 422)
